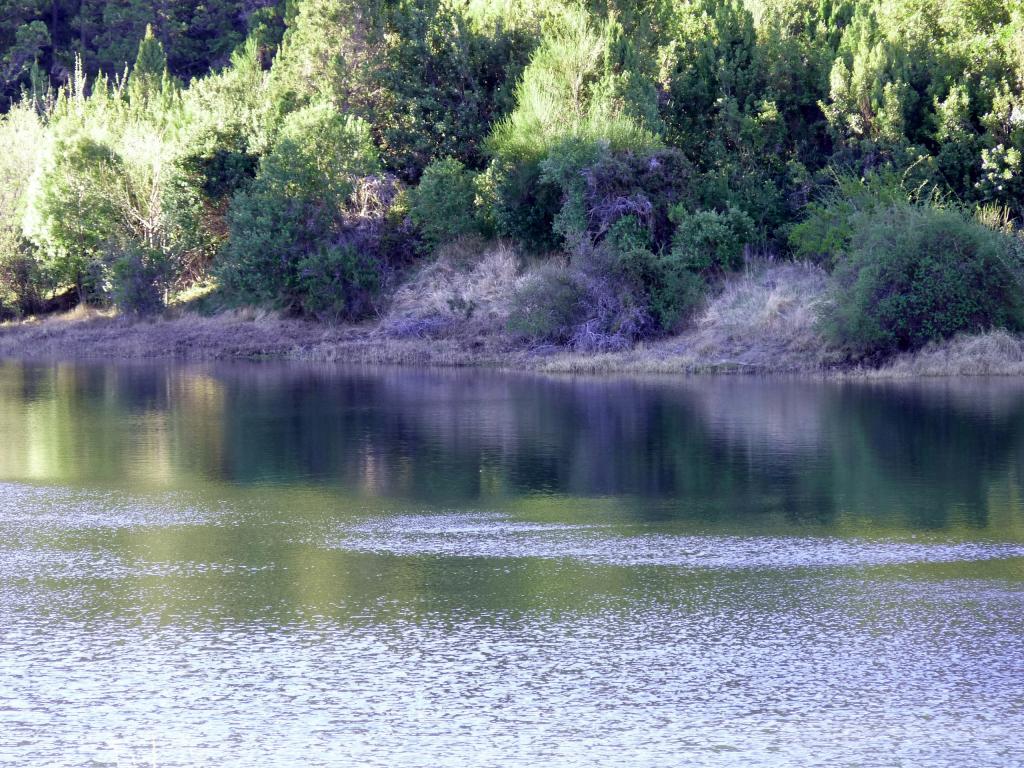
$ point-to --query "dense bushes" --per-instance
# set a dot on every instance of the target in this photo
(594, 304)
(40, 39)
(570, 106)
(106, 186)
(288, 228)
(823, 235)
(638, 244)
(549, 305)
(646, 185)
(710, 242)
(21, 278)
(77, 214)
(444, 204)
(427, 77)
(337, 280)
(915, 274)
(140, 281)
(646, 149)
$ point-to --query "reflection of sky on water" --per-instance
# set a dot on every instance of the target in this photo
(825, 671)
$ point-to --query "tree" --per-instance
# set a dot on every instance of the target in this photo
(21, 133)
(568, 102)
(76, 215)
(295, 205)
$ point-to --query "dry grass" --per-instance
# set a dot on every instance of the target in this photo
(768, 301)
(996, 353)
(766, 318)
(79, 314)
(463, 291)
(762, 321)
(235, 335)
(93, 335)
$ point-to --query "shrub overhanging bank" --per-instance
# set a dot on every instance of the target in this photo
(455, 312)
(561, 180)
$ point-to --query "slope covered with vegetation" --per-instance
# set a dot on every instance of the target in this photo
(313, 157)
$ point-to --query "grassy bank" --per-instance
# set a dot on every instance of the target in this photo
(762, 321)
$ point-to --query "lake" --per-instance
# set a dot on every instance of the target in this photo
(247, 565)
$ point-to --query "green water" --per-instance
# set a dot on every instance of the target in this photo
(261, 565)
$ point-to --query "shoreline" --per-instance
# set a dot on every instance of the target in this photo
(256, 336)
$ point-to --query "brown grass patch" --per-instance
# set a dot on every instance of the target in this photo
(763, 321)
(464, 290)
(995, 353)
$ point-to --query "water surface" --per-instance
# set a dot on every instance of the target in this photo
(261, 565)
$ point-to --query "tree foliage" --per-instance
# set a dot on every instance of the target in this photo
(294, 210)
(445, 205)
(302, 152)
(917, 274)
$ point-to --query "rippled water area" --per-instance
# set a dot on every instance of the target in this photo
(276, 566)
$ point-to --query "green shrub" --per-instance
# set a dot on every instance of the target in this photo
(637, 184)
(321, 150)
(223, 170)
(21, 274)
(429, 80)
(918, 273)
(573, 197)
(295, 207)
(139, 282)
(676, 291)
(570, 106)
(672, 288)
(109, 185)
(548, 305)
(673, 281)
(824, 234)
(443, 206)
(564, 169)
(525, 205)
(568, 90)
(630, 240)
(710, 242)
(75, 212)
(22, 280)
(337, 282)
(437, 83)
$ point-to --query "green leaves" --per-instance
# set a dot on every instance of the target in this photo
(920, 273)
(28, 46)
(710, 242)
(444, 205)
(77, 208)
(285, 227)
(568, 93)
(428, 80)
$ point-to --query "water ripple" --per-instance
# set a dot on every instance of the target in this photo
(39, 509)
(497, 535)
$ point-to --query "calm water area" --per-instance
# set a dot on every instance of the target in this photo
(261, 565)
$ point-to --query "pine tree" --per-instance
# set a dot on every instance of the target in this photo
(149, 74)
